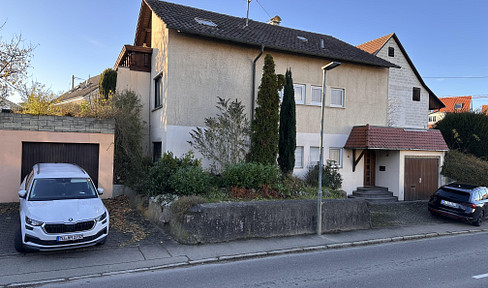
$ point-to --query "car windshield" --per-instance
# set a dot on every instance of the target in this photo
(62, 188)
(454, 195)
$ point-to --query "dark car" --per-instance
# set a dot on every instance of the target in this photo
(460, 201)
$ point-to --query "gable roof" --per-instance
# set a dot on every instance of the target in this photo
(81, 90)
(374, 46)
(450, 103)
(230, 28)
(389, 138)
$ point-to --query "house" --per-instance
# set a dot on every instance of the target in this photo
(484, 109)
(452, 105)
(183, 58)
(85, 91)
(8, 106)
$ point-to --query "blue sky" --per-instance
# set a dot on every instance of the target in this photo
(444, 38)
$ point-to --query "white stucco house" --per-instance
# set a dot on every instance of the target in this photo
(183, 58)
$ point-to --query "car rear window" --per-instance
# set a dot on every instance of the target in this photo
(454, 194)
(62, 188)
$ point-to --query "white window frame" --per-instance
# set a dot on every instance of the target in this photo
(303, 88)
(313, 162)
(343, 97)
(158, 91)
(339, 165)
(300, 165)
(317, 88)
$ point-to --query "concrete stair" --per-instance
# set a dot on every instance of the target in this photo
(374, 194)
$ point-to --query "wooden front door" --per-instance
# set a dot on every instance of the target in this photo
(369, 168)
(421, 178)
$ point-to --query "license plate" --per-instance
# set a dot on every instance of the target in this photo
(69, 237)
(449, 204)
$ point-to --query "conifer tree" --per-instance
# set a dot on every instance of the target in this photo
(264, 136)
(287, 140)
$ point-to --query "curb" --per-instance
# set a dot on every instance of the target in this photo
(252, 255)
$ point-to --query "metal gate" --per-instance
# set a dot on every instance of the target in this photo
(421, 178)
(84, 155)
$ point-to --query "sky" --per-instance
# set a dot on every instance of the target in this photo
(447, 40)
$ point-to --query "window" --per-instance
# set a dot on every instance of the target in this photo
(335, 154)
(337, 98)
(158, 91)
(304, 39)
(314, 156)
(299, 157)
(391, 51)
(157, 147)
(205, 22)
(299, 93)
(416, 94)
(458, 106)
(316, 95)
(432, 118)
(280, 93)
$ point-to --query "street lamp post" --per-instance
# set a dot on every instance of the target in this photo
(325, 68)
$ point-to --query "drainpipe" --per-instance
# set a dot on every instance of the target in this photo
(253, 95)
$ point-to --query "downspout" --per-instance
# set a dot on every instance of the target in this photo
(253, 95)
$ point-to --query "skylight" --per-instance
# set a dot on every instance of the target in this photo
(205, 22)
(302, 38)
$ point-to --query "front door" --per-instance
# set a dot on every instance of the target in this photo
(369, 168)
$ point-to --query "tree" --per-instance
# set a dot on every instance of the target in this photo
(107, 82)
(264, 135)
(38, 100)
(288, 129)
(14, 62)
(224, 140)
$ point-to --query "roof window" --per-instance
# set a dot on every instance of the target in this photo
(302, 38)
(458, 106)
(205, 22)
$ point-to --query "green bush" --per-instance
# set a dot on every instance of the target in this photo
(190, 181)
(465, 168)
(331, 177)
(251, 175)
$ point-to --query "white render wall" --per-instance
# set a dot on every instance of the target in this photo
(404, 112)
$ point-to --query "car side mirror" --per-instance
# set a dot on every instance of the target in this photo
(100, 191)
(22, 193)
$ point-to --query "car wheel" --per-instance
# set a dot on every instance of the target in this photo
(19, 247)
(478, 221)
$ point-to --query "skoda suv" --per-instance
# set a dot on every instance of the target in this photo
(60, 208)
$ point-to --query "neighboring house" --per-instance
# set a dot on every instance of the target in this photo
(484, 109)
(183, 58)
(8, 106)
(409, 98)
(452, 105)
(85, 91)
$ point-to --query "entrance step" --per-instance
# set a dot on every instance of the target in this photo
(374, 194)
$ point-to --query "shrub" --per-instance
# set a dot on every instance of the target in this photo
(190, 180)
(251, 175)
(465, 168)
(331, 177)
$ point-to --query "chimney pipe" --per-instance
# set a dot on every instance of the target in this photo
(247, 17)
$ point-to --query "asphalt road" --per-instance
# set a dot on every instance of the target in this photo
(457, 261)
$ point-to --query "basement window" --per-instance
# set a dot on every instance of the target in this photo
(205, 22)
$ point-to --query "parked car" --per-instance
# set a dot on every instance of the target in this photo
(60, 208)
(460, 201)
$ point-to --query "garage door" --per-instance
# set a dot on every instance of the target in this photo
(84, 155)
(421, 178)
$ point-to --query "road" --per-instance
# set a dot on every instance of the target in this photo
(456, 261)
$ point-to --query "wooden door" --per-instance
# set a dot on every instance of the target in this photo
(369, 168)
(421, 178)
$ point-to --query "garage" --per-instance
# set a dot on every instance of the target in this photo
(421, 177)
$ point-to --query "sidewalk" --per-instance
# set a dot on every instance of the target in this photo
(39, 268)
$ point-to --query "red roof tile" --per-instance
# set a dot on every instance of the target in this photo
(375, 45)
(450, 103)
(389, 138)
(484, 109)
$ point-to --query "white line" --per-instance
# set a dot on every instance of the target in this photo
(480, 276)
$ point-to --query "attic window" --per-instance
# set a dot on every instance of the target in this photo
(205, 22)
(302, 38)
(391, 51)
(322, 43)
(458, 106)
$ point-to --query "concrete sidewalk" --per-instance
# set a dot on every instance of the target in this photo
(39, 268)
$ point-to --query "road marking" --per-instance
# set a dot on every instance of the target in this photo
(480, 276)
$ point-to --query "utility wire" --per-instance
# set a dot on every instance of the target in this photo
(263, 9)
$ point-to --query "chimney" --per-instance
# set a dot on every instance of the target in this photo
(275, 20)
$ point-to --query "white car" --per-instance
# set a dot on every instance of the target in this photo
(60, 208)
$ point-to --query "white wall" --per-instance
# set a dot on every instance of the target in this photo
(391, 176)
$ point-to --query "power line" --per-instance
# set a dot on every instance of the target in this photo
(263, 9)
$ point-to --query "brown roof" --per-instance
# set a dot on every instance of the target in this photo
(375, 45)
(389, 138)
(450, 103)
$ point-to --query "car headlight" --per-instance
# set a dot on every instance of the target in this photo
(33, 222)
(101, 217)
